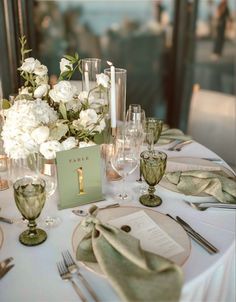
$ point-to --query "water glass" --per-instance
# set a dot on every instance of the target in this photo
(153, 165)
(30, 196)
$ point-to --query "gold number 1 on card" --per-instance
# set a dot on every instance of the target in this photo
(80, 175)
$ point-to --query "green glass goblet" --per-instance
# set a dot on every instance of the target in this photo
(154, 125)
(153, 165)
(30, 196)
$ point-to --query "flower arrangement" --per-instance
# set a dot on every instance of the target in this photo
(49, 119)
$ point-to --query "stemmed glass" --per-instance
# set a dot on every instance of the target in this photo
(155, 125)
(135, 126)
(153, 165)
(46, 169)
(125, 159)
(30, 196)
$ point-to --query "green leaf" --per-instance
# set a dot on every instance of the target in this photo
(68, 57)
(62, 109)
(58, 131)
(77, 56)
(5, 104)
(24, 97)
(98, 138)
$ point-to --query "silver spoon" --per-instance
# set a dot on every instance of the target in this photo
(80, 212)
(204, 206)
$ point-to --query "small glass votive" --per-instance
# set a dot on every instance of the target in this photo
(107, 151)
(4, 162)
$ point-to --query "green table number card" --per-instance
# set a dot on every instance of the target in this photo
(79, 176)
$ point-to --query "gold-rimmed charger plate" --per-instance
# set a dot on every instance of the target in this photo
(1, 237)
(172, 228)
(193, 161)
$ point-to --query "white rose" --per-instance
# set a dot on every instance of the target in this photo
(41, 91)
(29, 65)
(49, 149)
(63, 65)
(83, 96)
(102, 79)
(101, 126)
(84, 144)
(41, 70)
(40, 134)
(88, 117)
(63, 91)
(69, 143)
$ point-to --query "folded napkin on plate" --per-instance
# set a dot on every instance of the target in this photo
(135, 274)
(216, 184)
(168, 135)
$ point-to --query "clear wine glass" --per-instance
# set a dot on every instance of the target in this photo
(47, 170)
(124, 160)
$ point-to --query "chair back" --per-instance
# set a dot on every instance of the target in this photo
(212, 122)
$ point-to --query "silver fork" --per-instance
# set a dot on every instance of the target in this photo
(66, 275)
(74, 268)
(179, 145)
(4, 268)
(205, 206)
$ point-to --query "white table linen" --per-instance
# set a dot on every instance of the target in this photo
(35, 277)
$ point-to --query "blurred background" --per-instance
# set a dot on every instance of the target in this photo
(169, 48)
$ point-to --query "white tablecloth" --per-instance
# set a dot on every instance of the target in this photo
(35, 277)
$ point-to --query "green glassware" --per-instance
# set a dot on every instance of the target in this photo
(154, 125)
(153, 165)
(30, 196)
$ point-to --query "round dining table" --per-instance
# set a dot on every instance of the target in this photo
(35, 277)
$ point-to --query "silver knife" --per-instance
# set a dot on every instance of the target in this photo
(194, 237)
(7, 220)
(6, 270)
(197, 237)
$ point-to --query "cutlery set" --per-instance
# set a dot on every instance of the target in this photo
(4, 267)
(68, 269)
(211, 249)
(178, 145)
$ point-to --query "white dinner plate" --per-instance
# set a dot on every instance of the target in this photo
(172, 228)
(197, 162)
(1, 237)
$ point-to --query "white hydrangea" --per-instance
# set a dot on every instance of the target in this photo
(69, 143)
(50, 148)
(21, 120)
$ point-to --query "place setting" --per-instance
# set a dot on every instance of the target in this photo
(77, 159)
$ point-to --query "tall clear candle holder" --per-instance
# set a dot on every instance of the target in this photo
(117, 96)
(90, 68)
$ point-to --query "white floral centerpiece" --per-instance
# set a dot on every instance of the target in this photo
(49, 119)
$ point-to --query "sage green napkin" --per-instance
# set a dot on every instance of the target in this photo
(168, 135)
(135, 274)
(214, 183)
